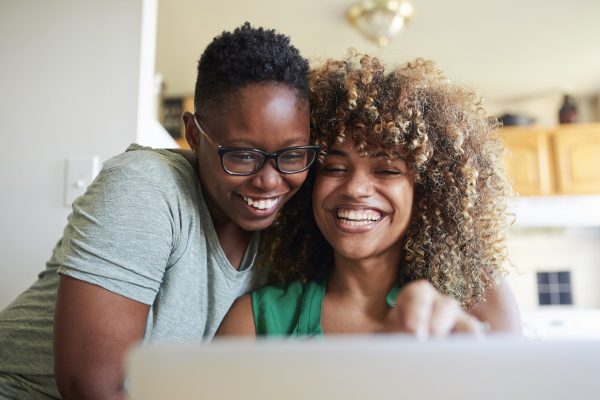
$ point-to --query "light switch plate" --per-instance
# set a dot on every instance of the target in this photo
(79, 173)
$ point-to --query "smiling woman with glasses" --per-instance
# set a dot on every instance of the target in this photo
(159, 246)
(243, 161)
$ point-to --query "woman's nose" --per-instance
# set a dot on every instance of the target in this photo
(267, 178)
(359, 184)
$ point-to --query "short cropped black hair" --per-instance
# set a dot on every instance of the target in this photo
(246, 56)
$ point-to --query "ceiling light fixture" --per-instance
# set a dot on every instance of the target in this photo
(380, 20)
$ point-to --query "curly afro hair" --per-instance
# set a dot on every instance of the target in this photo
(246, 56)
(456, 235)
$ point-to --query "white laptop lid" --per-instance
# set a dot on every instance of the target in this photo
(353, 368)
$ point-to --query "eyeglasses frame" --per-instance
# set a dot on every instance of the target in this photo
(221, 150)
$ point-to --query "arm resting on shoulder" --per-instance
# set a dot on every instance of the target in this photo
(239, 320)
(93, 329)
(499, 310)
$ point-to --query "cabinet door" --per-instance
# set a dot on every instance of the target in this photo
(577, 155)
(527, 160)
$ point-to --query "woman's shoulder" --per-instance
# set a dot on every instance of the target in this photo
(277, 309)
(290, 291)
(270, 310)
(499, 309)
(161, 166)
(289, 296)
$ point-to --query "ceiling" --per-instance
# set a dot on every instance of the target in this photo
(509, 49)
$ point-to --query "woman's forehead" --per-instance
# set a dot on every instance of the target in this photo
(370, 151)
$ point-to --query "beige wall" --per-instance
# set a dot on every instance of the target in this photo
(553, 249)
(544, 108)
(70, 86)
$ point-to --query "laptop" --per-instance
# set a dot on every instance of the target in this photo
(367, 367)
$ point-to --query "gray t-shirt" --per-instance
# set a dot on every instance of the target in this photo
(142, 230)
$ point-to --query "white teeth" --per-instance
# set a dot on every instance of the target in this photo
(260, 204)
(358, 218)
(357, 223)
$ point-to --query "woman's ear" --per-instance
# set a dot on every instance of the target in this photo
(191, 131)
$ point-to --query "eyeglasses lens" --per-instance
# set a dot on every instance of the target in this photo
(249, 162)
(295, 160)
(242, 162)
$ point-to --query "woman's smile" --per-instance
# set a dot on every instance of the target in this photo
(362, 205)
(357, 220)
(251, 201)
(259, 207)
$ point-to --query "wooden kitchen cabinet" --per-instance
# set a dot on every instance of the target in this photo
(528, 161)
(558, 161)
(577, 157)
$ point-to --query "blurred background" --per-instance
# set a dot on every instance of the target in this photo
(83, 79)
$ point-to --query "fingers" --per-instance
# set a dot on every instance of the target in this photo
(468, 324)
(413, 309)
(422, 311)
(444, 316)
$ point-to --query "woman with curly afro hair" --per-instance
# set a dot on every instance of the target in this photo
(400, 225)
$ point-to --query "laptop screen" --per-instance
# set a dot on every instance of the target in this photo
(359, 368)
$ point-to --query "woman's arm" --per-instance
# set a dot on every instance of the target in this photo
(499, 309)
(423, 311)
(93, 329)
(239, 320)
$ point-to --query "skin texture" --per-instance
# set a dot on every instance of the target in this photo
(94, 327)
(450, 258)
(366, 260)
(499, 310)
(421, 311)
(370, 185)
(456, 238)
(267, 117)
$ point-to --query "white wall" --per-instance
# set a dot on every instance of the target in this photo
(555, 249)
(69, 86)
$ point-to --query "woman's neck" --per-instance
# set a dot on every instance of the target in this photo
(355, 300)
(362, 278)
(232, 238)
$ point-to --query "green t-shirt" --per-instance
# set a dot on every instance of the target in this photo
(142, 230)
(294, 310)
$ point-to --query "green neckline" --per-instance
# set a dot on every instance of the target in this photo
(309, 320)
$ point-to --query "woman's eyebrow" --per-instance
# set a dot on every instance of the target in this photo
(340, 153)
(378, 154)
(385, 154)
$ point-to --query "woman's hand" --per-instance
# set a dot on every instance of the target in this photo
(423, 311)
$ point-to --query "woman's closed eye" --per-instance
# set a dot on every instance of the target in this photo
(390, 168)
(390, 172)
(333, 168)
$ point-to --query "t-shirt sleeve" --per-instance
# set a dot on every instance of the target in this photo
(121, 232)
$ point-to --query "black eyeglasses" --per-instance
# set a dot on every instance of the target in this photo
(243, 161)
